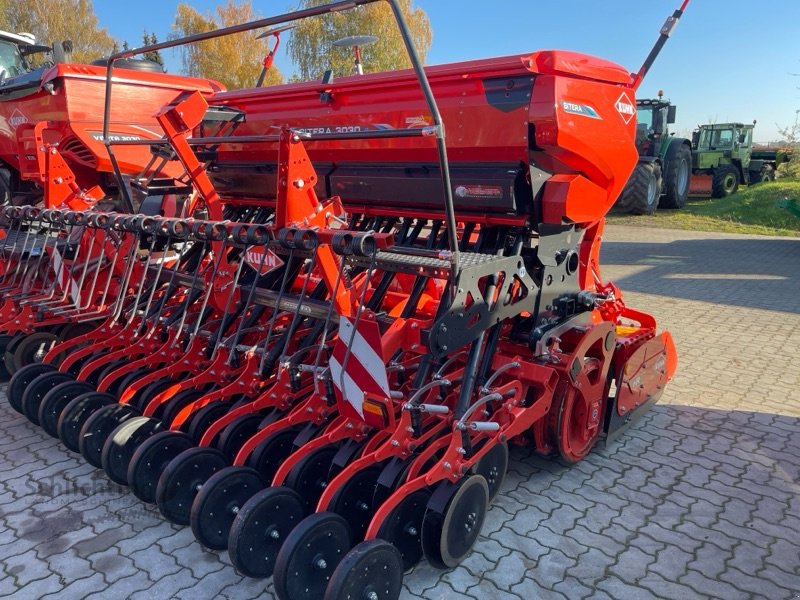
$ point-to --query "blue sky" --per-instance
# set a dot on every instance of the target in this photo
(728, 60)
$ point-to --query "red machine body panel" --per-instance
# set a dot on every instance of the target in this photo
(393, 100)
(70, 97)
(570, 102)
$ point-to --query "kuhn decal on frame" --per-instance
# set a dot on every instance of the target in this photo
(625, 107)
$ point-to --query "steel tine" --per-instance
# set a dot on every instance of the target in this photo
(300, 300)
(135, 307)
(76, 264)
(130, 267)
(162, 303)
(190, 298)
(21, 264)
(34, 267)
(156, 279)
(98, 267)
(274, 316)
(31, 267)
(83, 311)
(12, 252)
(235, 338)
(216, 265)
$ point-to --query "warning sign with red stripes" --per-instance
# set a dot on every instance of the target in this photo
(357, 363)
(65, 282)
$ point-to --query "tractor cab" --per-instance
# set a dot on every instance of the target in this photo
(653, 117)
(12, 63)
(661, 177)
(17, 75)
(731, 141)
(720, 144)
(721, 159)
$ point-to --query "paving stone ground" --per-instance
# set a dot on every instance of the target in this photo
(699, 500)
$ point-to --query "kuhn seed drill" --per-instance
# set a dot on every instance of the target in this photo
(323, 367)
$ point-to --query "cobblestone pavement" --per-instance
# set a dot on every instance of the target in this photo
(699, 500)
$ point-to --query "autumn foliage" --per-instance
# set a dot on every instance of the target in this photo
(234, 60)
(311, 49)
(53, 21)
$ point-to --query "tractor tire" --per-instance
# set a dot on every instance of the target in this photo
(767, 173)
(134, 64)
(640, 195)
(725, 181)
(677, 173)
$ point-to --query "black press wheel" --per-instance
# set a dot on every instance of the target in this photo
(260, 528)
(393, 476)
(74, 330)
(121, 384)
(151, 458)
(33, 348)
(493, 466)
(373, 570)
(307, 559)
(218, 502)
(309, 477)
(123, 442)
(107, 370)
(37, 390)
(268, 456)
(201, 420)
(11, 347)
(233, 437)
(168, 411)
(21, 380)
(143, 397)
(403, 527)
(725, 181)
(56, 400)
(453, 520)
(354, 500)
(75, 413)
(5, 374)
(99, 426)
(182, 479)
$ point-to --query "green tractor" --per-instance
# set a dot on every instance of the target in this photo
(722, 159)
(661, 177)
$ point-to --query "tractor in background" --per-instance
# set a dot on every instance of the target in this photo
(722, 159)
(661, 177)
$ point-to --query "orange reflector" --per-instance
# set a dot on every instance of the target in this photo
(622, 330)
(376, 409)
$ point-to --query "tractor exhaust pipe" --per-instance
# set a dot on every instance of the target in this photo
(666, 32)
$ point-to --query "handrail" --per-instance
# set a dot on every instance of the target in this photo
(437, 129)
(309, 137)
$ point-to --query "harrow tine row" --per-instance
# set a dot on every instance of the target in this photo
(304, 400)
(214, 392)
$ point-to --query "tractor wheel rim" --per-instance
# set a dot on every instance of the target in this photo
(683, 177)
(729, 183)
(651, 192)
